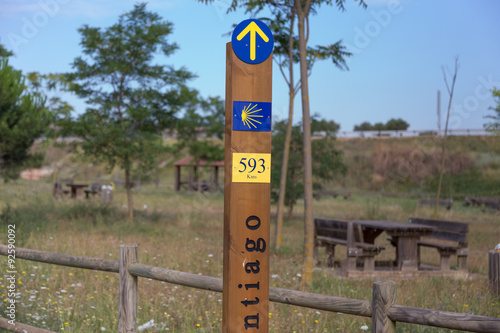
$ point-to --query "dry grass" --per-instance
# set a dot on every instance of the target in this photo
(184, 232)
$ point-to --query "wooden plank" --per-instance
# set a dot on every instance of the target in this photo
(99, 264)
(448, 236)
(285, 296)
(247, 214)
(127, 306)
(444, 319)
(20, 327)
(452, 226)
(439, 246)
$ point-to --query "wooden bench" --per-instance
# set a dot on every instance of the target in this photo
(58, 192)
(491, 202)
(450, 238)
(95, 188)
(329, 233)
(432, 202)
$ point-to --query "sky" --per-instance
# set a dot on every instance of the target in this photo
(399, 47)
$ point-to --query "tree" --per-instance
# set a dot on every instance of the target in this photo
(301, 10)
(286, 54)
(327, 161)
(391, 125)
(396, 125)
(450, 90)
(494, 126)
(132, 99)
(365, 126)
(201, 130)
(24, 118)
(378, 127)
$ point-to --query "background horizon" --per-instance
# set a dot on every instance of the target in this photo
(399, 48)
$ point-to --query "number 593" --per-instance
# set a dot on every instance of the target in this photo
(251, 164)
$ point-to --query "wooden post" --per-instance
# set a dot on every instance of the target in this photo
(494, 271)
(216, 177)
(352, 252)
(177, 178)
(246, 200)
(384, 296)
(127, 315)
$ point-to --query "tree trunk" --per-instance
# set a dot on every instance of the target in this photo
(307, 265)
(443, 148)
(128, 186)
(290, 212)
(288, 139)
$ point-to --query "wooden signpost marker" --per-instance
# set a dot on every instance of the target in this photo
(247, 187)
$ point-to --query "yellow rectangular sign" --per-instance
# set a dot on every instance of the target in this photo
(251, 168)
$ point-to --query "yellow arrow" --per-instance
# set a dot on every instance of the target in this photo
(252, 28)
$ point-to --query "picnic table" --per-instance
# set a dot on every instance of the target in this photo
(77, 189)
(405, 237)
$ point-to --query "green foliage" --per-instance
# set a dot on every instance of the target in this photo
(4, 53)
(24, 118)
(326, 127)
(396, 124)
(32, 217)
(201, 129)
(494, 125)
(132, 99)
(391, 125)
(327, 161)
(373, 209)
(472, 181)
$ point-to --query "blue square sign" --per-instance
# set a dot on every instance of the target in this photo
(252, 116)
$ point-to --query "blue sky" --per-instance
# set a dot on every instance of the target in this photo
(399, 49)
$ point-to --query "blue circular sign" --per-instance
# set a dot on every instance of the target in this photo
(252, 41)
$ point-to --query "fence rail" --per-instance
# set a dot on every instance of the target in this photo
(407, 133)
(382, 309)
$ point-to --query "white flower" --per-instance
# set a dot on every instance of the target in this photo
(147, 325)
(103, 329)
(364, 328)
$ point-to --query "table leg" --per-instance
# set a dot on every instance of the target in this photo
(407, 253)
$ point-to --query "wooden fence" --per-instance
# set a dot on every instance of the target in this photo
(382, 309)
(494, 271)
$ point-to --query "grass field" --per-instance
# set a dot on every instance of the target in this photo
(184, 232)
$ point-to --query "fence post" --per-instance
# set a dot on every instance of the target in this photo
(127, 315)
(384, 296)
(494, 271)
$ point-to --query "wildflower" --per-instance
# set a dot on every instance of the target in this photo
(147, 325)
(364, 328)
